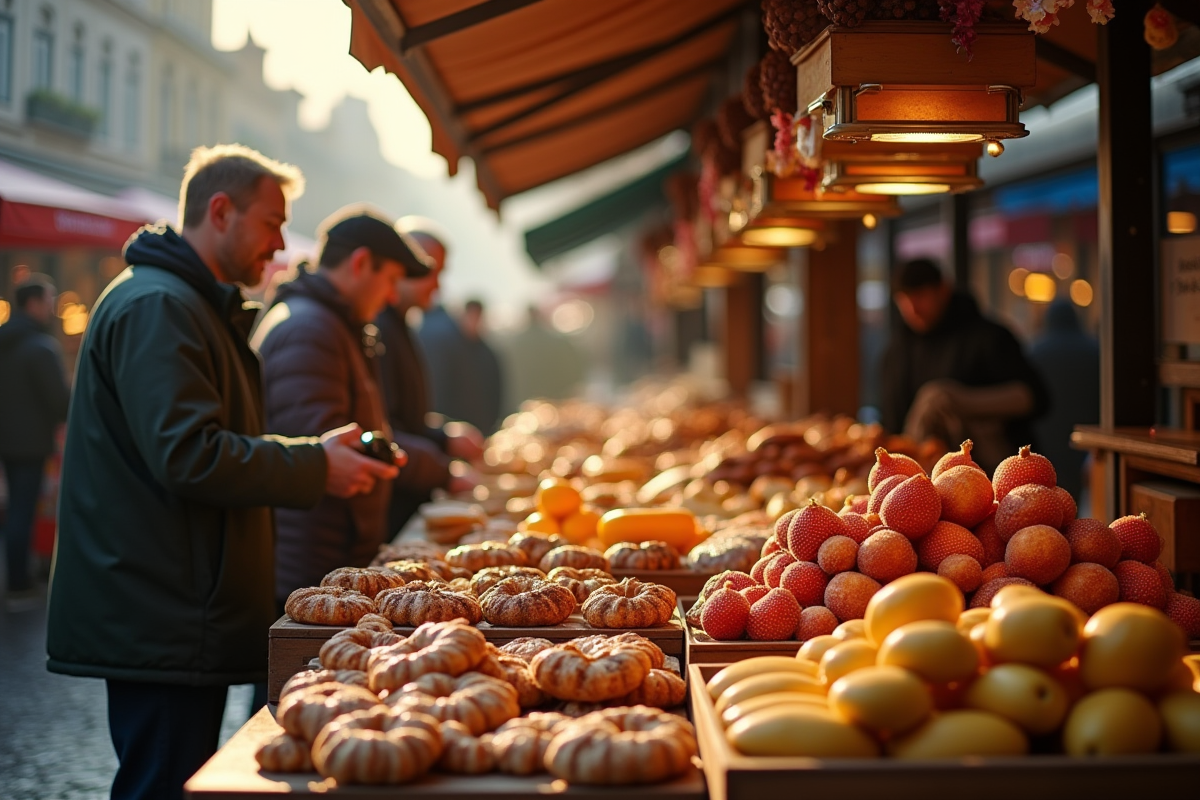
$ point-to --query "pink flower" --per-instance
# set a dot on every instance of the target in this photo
(1101, 11)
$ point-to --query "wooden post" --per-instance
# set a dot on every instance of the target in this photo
(829, 326)
(743, 333)
(958, 207)
(1128, 266)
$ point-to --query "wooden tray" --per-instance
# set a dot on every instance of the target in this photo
(702, 649)
(233, 774)
(732, 776)
(291, 645)
(684, 582)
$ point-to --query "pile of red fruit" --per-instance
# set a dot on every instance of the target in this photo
(821, 568)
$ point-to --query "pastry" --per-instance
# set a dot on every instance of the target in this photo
(628, 604)
(481, 535)
(461, 585)
(489, 576)
(524, 601)
(573, 555)
(646, 556)
(349, 649)
(304, 712)
(535, 545)
(463, 753)
(515, 672)
(418, 602)
(625, 745)
(377, 746)
(370, 581)
(375, 622)
(592, 673)
(720, 553)
(526, 647)
(489, 554)
(412, 549)
(412, 570)
(581, 582)
(449, 647)
(328, 605)
(575, 709)
(445, 571)
(480, 702)
(285, 753)
(448, 522)
(520, 744)
(311, 677)
(601, 644)
(660, 689)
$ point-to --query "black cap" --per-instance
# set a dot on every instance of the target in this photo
(917, 274)
(353, 227)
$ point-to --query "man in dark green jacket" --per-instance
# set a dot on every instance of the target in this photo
(163, 576)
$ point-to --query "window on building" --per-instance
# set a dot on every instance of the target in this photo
(104, 90)
(6, 58)
(191, 115)
(133, 103)
(75, 67)
(43, 59)
(166, 111)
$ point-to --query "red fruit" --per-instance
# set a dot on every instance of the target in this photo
(1027, 505)
(873, 520)
(881, 492)
(889, 464)
(966, 495)
(774, 617)
(725, 614)
(993, 571)
(963, 571)
(959, 458)
(1140, 584)
(912, 508)
(811, 526)
(1038, 553)
(781, 525)
(1164, 575)
(1093, 541)
(993, 545)
(1069, 509)
(837, 554)
(857, 526)
(806, 581)
(815, 621)
(1184, 611)
(756, 572)
(779, 562)
(855, 504)
(1139, 540)
(770, 547)
(754, 593)
(886, 555)
(848, 593)
(1089, 586)
(947, 538)
(1025, 467)
(983, 597)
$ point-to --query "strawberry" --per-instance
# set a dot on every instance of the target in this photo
(993, 571)
(889, 464)
(1025, 467)
(770, 546)
(755, 593)
(983, 596)
(1164, 575)
(993, 545)
(725, 614)
(811, 526)
(775, 568)
(1184, 611)
(882, 491)
(1140, 584)
(857, 525)
(1070, 509)
(958, 458)
(945, 539)
(855, 504)
(912, 508)
(806, 581)
(775, 617)
(1139, 540)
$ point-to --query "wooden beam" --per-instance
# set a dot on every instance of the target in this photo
(742, 338)
(1063, 58)
(829, 284)
(459, 21)
(958, 210)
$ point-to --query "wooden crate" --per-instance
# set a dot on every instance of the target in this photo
(701, 649)
(233, 774)
(731, 776)
(1174, 510)
(291, 645)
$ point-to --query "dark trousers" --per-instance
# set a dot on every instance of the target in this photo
(24, 488)
(162, 734)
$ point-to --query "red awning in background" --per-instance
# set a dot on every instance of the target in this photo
(45, 213)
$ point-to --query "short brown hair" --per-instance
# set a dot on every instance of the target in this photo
(235, 170)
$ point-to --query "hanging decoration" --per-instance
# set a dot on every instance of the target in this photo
(1161, 29)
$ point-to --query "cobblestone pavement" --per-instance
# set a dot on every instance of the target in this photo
(54, 741)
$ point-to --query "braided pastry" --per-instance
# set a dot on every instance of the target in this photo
(535, 545)
(350, 649)
(581, 582)
(285, 753)
(573, 555)
(480, 702)
(622, 746)
(660, 689)
(525, 647)
(463, 753)
(488, 554)
(369, 581)
(645, 556)
(574, 709)
(592, 673)
(412, 570)
(520, 744)
(445, 571)
(600, 645)
(418, 602)
(524, 601)
(375, 622)
(628, 604)
(303, 713)
(377, 746)
(311, 677)
(328, 605)
(515, 672)
(413, 549)
(488, 577)
(449, 647)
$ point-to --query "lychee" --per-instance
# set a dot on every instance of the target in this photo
(886, 555)
(1139, 540)
(1089, 586)
(993, 545)
(1184, 611)
(779, 562)
(815, 621)
(966, 495)
(983, 597)
(993, 571)
(1069, 508)
(956, 458)
(848, 593)
(881, 492)
(806, 581)
(1037, 553)
(947, 538)
(963, 571)
(1093, 541)
(1165, 575)
(837, 554)
(811, 526)
(1030, 504)
(889, 464)
(754, 593)
(1025, 467)
(725, 614)
(858, 527)
(912, 508)
(1140, 584)
(776, 616)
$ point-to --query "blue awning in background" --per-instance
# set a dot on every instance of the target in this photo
(1074, 191)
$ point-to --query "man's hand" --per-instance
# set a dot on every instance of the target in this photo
(350, 473)
(463, 440)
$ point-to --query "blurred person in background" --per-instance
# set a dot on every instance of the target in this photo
(540, 362)
(33, 403)
(406, 392)
(465, 371)
(1069, 362)
(950, 373)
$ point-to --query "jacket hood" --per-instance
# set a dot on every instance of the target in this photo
(19, 327)
(1061, 318)
(315, 286)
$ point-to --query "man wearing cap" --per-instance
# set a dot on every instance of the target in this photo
(318, 349)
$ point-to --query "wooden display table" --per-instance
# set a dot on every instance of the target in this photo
(703, 649)
(233, 774)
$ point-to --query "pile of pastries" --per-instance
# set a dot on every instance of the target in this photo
(383, 708)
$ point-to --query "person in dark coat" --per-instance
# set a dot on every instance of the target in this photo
(163, 570)
(949, 372)
(1069, 362)
(464, 370)
(318, 349)
(33, 404)
(406, 389)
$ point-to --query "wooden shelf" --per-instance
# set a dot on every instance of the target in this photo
(1163, 444)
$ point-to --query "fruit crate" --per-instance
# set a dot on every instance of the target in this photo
(701, 649)
(291, 644)
(732, 776)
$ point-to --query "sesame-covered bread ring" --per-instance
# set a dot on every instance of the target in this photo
(328, 605)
